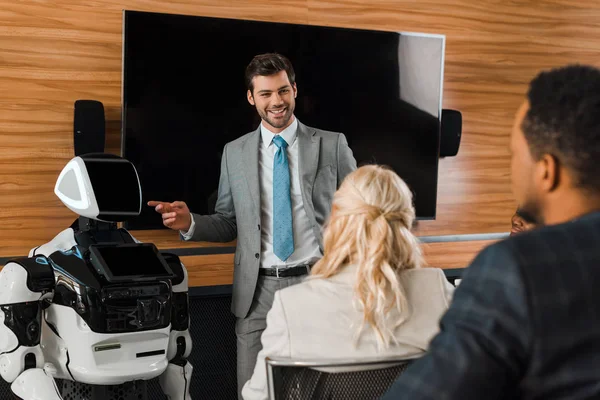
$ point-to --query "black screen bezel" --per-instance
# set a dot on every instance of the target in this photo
(101, 267)
(433, 197)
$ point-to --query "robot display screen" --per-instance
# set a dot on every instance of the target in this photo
(110, 176)
(129, 261)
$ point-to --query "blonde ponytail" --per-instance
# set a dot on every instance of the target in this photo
(370, 226)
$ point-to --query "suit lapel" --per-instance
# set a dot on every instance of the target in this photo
(250, 166)
(309, 145)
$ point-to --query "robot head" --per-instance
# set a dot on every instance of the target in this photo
(100, 186)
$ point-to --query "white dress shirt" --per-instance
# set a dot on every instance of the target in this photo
(306, 247)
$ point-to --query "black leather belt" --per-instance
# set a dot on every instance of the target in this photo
(283, 272)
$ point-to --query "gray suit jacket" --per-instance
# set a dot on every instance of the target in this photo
(324, 161)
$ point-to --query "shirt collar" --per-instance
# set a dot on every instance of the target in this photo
(288, 134)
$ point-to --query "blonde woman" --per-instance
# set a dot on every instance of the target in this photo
(367, 296)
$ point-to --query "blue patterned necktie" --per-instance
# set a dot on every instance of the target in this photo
(283, 235)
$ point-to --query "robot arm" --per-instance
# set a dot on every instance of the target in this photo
(23, 284)
(175, 381)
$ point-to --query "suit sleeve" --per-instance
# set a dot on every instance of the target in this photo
(220, 226)
(346, 161)
(275, 343)
(483, 344)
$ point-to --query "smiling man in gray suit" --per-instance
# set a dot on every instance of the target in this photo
(275, 194)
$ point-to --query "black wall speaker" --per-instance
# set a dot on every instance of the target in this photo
(451, 132)
(88, 127)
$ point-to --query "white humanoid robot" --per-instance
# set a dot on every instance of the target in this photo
(95, 306)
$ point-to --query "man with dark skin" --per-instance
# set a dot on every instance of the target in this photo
(523, 324)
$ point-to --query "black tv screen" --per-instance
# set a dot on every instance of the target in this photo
(184, 98)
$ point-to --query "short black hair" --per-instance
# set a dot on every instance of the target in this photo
(563, 120)
(266, 65)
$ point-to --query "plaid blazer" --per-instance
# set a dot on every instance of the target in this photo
(524, 323)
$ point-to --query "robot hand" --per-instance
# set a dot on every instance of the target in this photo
(23, 283)
(175, 381)
(35, 384)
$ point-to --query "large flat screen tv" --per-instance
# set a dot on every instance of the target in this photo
(184, 98)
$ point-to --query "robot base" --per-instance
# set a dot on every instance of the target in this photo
(136, 390)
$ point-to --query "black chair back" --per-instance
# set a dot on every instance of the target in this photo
(332, 380)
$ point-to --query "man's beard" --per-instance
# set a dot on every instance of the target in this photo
(526, 216)
(532, 210)
(264, 115)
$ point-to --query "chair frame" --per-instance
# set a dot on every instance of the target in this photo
(364, 363)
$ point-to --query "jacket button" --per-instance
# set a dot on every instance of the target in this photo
(256, 255)
(259, 227)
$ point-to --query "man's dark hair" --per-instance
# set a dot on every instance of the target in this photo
(564, 121)
(266, 65)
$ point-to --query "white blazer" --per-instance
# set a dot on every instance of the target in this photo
(316, 319)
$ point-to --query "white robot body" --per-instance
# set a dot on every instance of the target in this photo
(11, 365)
(13, 287)
(94, 305)
(15, 299)
(36, 384)
(176, 334)
(56, 356)
(173, 347)
(102, 359)
(64, 240)
(97, 358)
(175, 382)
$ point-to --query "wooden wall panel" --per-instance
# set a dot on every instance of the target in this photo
(211, 270)
(55, 52)
(217, 269)
(453, 254)
(169, 239)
